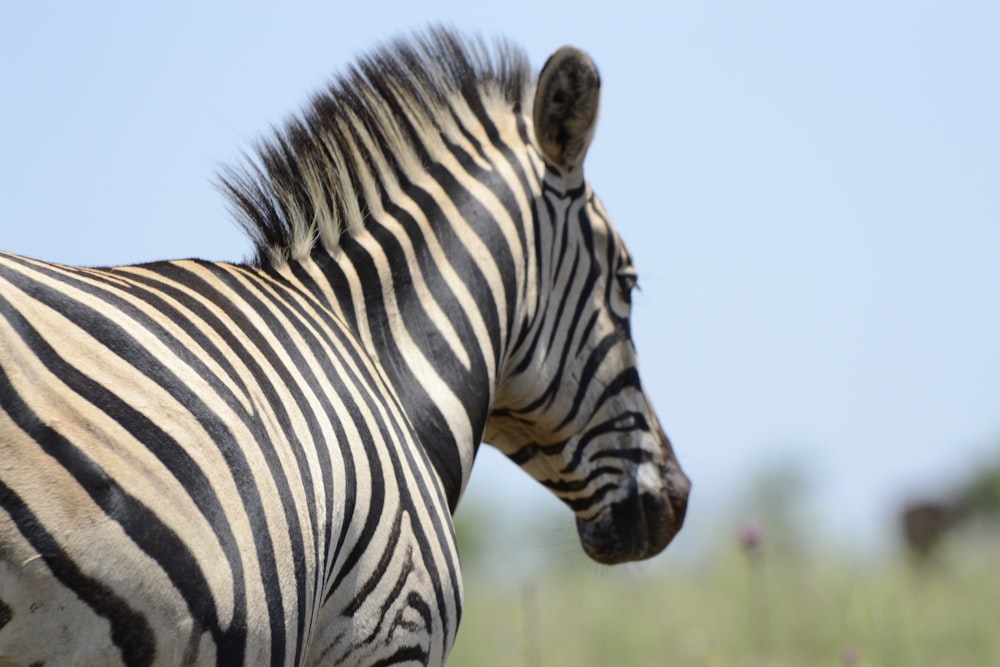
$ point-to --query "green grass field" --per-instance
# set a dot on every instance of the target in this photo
(740, 609)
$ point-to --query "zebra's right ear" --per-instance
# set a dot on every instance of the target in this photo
(565, 111)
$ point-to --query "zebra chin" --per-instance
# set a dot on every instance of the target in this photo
(639, 526)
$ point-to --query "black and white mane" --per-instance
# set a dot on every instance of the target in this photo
(366, 135)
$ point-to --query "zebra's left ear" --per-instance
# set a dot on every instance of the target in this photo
(566, 101)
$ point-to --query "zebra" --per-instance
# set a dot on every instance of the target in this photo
(257, 462)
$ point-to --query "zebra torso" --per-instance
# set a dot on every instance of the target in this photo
(244, 476)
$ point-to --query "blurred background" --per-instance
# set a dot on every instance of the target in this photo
(812, 195)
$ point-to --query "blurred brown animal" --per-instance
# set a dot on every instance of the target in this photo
(925, 524)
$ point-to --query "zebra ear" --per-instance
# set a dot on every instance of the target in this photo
(565, 112)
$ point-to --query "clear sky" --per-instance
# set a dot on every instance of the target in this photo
(811, 191)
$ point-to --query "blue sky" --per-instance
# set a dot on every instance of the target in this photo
(811, 192)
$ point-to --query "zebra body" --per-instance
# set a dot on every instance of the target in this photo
(242, 503)
(210, 463)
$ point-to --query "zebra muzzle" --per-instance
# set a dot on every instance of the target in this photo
(640, 525)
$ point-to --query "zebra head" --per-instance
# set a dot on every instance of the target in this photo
(570, 408)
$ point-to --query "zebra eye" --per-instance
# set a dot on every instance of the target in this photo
(628, 280)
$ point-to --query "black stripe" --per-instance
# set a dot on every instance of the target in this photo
(392, 431)
(549, 393)
(130, 631)
(365, 590)
(542, 290)
(597, 356)
(275, 401)
(376, 504)
(152, 536)
(171, 452)
(563, 486)
(426, 414)
(324, 328)
(627, 378)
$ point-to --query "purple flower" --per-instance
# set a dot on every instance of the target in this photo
(850, 657)
(751, 537)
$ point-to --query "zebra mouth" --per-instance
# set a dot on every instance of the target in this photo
(638, 527)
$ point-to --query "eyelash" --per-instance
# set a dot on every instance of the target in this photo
(627, 282)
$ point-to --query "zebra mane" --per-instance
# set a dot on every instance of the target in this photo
(368, 131)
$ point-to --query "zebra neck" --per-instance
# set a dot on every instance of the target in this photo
(431, 345)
